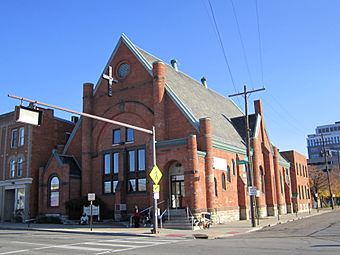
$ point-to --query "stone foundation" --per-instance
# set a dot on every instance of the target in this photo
(262, 212)
(220, 217)
(271, 210)
(282, 209)
(244, 214)
(289, 208)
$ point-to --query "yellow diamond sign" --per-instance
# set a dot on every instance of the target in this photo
(156, 174)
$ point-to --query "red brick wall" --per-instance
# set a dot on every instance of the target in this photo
(299, 178)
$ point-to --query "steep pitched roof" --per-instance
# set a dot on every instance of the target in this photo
(65, 159)
(197, 102)
(193, 99)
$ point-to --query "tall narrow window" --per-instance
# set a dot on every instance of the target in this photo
(234, 167)
(261, 179)
(130, 136)
(228, 174)
(116, 136)
(215, 184)
(107, 163)
(141, 160)
(21, 136)
(54, 191)
(281, 183)
(19, 167)
(132, 161)
(14, 138)
(115, 157)
(12, 168)
(224, 186)
(136, 170)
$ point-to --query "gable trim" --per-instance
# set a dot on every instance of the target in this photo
(228, 147)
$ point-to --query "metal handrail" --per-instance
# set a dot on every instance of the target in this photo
(146, 209)
(192, 217)
(161, 217)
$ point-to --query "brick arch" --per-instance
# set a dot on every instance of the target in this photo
(136, 107)
(101, 131)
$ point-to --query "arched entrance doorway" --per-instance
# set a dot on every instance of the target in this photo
(176, 185)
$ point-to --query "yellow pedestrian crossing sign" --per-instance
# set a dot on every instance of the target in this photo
(156, 188)
(156, 174)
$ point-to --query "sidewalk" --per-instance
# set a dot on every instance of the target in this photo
(216, 231)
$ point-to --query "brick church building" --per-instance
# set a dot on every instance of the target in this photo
(200, 140)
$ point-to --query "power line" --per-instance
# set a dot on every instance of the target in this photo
(260, 42)
(222, 46)
(242, 43)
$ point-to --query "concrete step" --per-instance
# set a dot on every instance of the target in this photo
(177, 212)
(177, 225)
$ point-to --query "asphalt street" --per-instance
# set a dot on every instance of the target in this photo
(315, 235)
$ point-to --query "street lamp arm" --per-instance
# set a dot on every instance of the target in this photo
(83, 114)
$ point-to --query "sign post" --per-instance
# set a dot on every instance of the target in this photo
(91, 197)
(155, 175)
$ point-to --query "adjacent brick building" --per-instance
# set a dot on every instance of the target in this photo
(23, 150)
(200, 141)
(300, 187)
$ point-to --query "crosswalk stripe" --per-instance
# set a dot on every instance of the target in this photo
(134, 242)
(71, 247)
(112, 244)
(11, 252)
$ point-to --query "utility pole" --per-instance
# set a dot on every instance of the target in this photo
(325, 154)
(245, 94)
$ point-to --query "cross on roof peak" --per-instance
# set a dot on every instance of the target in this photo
(110, 80)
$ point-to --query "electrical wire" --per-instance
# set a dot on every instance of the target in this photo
(242, 43)
(222, 46)
(260, 42)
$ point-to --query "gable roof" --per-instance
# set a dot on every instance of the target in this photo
(65, 159)
(196, 102)
(193, 99)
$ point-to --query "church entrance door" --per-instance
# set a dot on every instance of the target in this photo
(177, 191)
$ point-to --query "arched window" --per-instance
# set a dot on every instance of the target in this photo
(234, 167)
(261, 179)
(12, 168)
(19, 164)
(228, 174)
(215, 183)
(224, 186)
(54, 191)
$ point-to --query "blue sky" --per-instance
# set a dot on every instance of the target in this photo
(48, 49)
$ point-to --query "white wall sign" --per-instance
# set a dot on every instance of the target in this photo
(220, 163)
(91, 196)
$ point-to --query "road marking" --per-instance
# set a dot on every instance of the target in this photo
(11, 252)
(135, 242)
(112, 245)
(30, 243)
(72, 247)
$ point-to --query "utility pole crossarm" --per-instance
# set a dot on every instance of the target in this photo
(246, 92)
